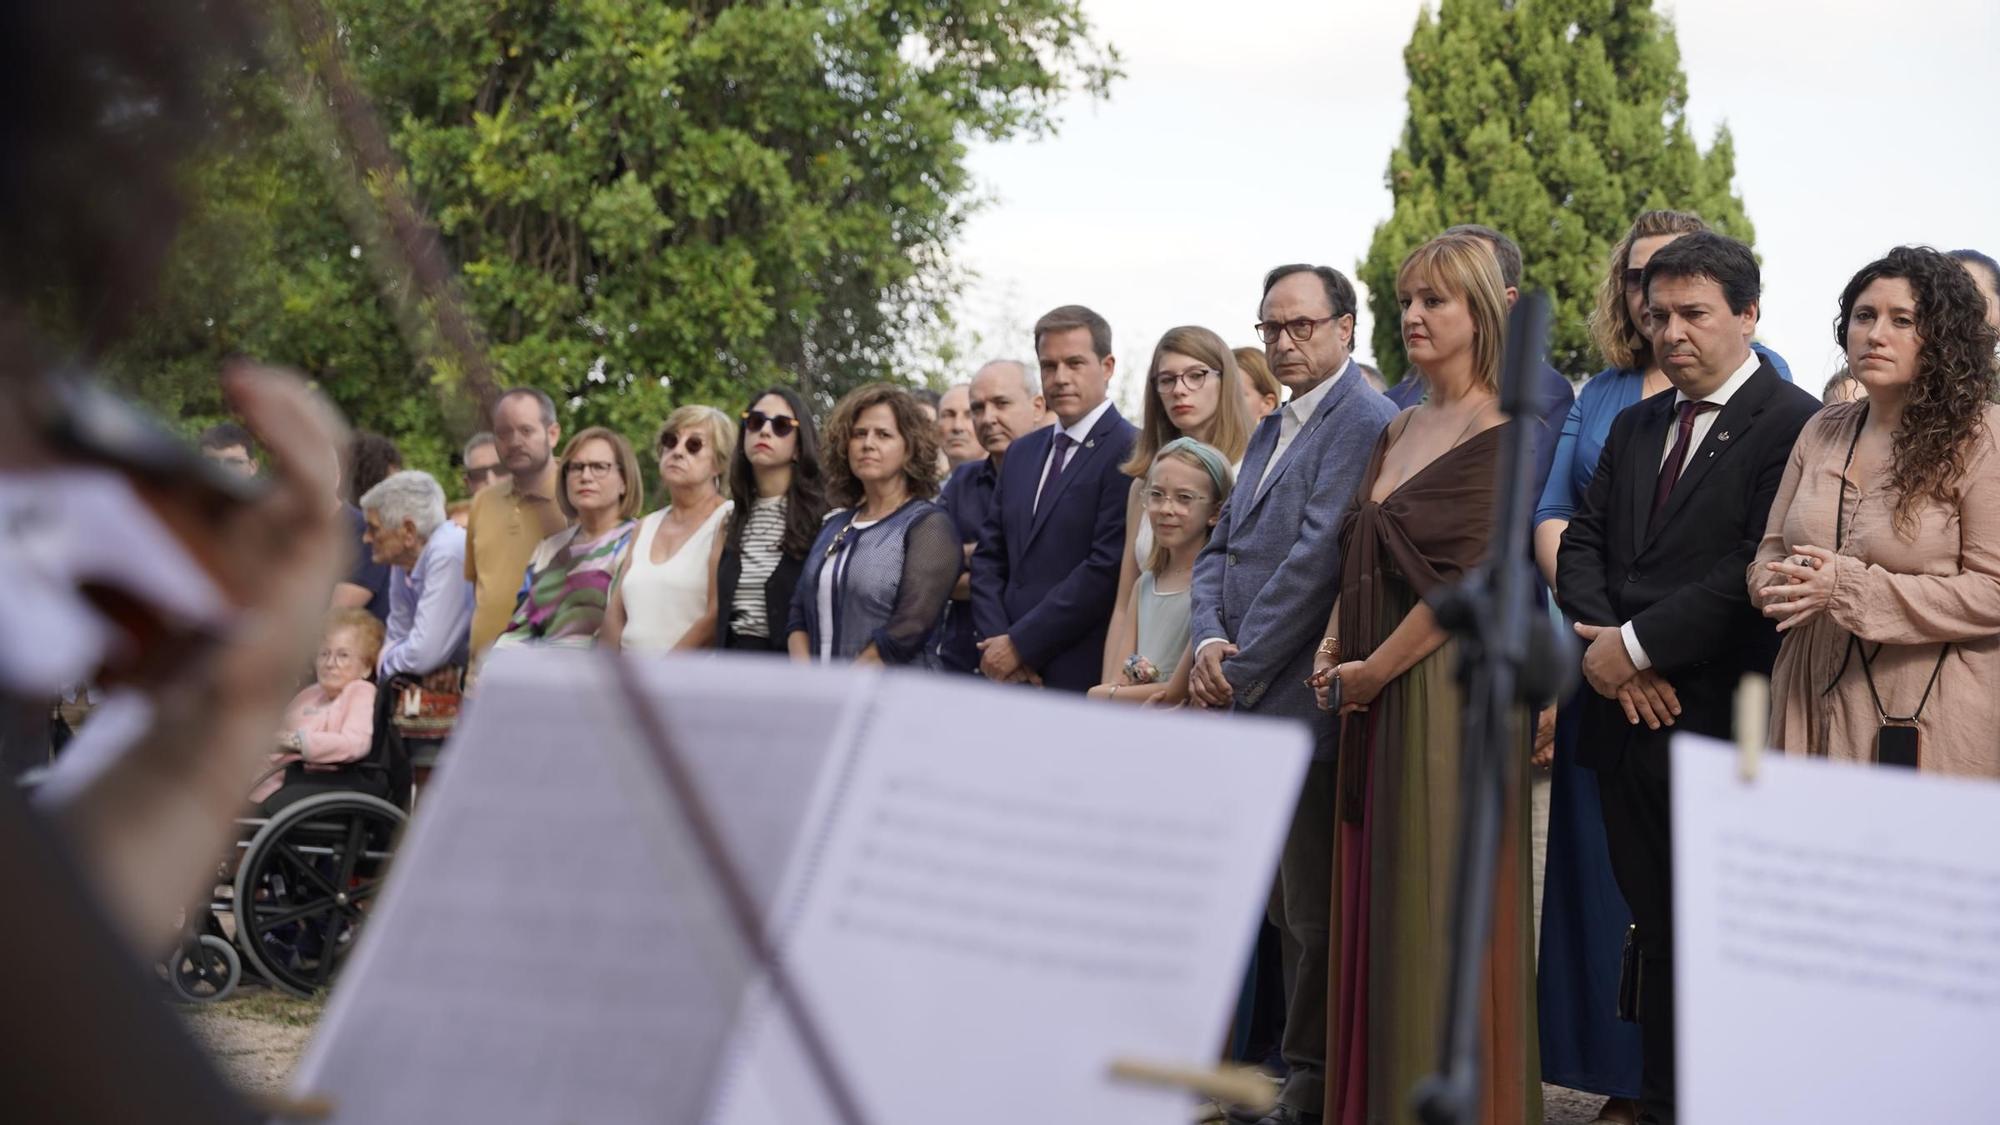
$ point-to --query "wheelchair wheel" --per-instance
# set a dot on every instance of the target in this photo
(305, 884)
(205, 970)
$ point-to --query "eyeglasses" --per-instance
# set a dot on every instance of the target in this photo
(481, 475)
(337, 656)
(1634, 278)
(1300, 329)
(590, 468)
(754, 421)
(693, 445)
(1185, 501)
(1192, 379)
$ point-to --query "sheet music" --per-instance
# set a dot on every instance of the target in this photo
(1007, 902)
(550, 947)
(1837, 939)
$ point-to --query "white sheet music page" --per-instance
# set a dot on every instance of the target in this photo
(1837, 938)
(1017, 888)
(550, 947)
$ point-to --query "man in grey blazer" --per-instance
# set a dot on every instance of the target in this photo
(1263, 589)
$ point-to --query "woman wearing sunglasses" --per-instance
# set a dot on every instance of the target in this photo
(569, 577)
(876, 579)
(662, 600)
(778, 502)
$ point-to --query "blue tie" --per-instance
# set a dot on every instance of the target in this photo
(1064, 443)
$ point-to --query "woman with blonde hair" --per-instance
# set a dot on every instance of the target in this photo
(1422, 517)
(660, 600)
(1261, 390)
(568, 581)
(1193, 390)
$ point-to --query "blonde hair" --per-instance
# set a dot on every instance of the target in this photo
(634, 499)
(1464, 266)
(1256, 370)
(367, 627)
(721, 435)
(1230, 432)
(1211, 462)
(1619, 340)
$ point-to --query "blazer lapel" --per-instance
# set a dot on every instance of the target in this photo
(1342, 384)
(1263, 440)
(1731, 424)
(1649, 449)
(1094, 445)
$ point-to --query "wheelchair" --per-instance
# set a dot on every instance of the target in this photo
(303, 878)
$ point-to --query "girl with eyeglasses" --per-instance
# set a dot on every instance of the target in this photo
(663, 599)
(778, 502)
(875, 581)
(1184, 492)
(568, 581)
(1193, 390)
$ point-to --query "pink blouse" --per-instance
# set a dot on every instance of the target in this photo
(335, 731)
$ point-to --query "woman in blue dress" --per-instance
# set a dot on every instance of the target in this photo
(1584, 1044)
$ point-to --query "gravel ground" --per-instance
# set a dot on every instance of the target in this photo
(258, 1035)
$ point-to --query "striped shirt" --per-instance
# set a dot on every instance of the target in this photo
(763, 534)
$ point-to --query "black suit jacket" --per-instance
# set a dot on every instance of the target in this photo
(1682, 585)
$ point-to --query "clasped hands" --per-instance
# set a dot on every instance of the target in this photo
(1811, 571)
(1000, 662)
(1359, 682)
(1645, 695)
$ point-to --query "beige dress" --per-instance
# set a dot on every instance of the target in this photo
(1910, 592)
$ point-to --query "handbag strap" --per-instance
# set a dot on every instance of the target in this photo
(1854, 642)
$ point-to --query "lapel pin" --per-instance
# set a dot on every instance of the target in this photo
(1091, 444)
(1723, 436)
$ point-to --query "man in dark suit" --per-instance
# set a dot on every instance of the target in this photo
(1045, 573)
(1262, 590)
(1652, 568)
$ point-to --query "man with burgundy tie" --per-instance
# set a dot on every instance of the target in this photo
(1653, 568)
(1045, 573)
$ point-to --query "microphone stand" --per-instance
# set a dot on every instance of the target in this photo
(1510, 654)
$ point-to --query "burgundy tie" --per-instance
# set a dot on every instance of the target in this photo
(1063, 444)
(1671, 471)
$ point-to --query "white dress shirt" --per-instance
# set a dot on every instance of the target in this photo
(1293, 417)
(1077, 434)
(1703, 422)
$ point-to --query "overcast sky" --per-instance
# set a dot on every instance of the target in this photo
(1859, 125)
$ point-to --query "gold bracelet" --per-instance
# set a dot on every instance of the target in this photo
(1329, 646)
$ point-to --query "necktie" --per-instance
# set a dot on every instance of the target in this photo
(1670, 473)
(1064, 443)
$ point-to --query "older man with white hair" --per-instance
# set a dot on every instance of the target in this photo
(430, 601)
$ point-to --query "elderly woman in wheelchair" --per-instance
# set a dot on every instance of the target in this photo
(330, 726)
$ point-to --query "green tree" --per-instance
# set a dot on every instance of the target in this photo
(649, 203)
(1558, 122)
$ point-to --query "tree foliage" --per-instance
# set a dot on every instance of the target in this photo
(1558, 122)
(649, 203)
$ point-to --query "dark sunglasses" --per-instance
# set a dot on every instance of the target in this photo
(782, 425)
(694, 444)
(1634, 278)
(486, 473)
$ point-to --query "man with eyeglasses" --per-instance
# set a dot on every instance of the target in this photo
(1263, 588)
(480, 463)
(510, 519)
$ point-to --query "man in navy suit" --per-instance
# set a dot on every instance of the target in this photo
(1045, 573)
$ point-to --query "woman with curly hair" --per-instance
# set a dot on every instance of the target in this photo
(1881, 562)
(875, 581)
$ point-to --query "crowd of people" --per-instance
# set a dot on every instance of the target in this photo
(1265, 540)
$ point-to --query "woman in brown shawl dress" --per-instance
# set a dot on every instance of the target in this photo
(1881, 562)
(1422, 518)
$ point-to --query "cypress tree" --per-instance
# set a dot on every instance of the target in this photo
(1557, 122)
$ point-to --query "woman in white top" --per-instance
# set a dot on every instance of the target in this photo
(1193, 389)
(661, 599)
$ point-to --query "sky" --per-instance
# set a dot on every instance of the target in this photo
(1859, 125)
